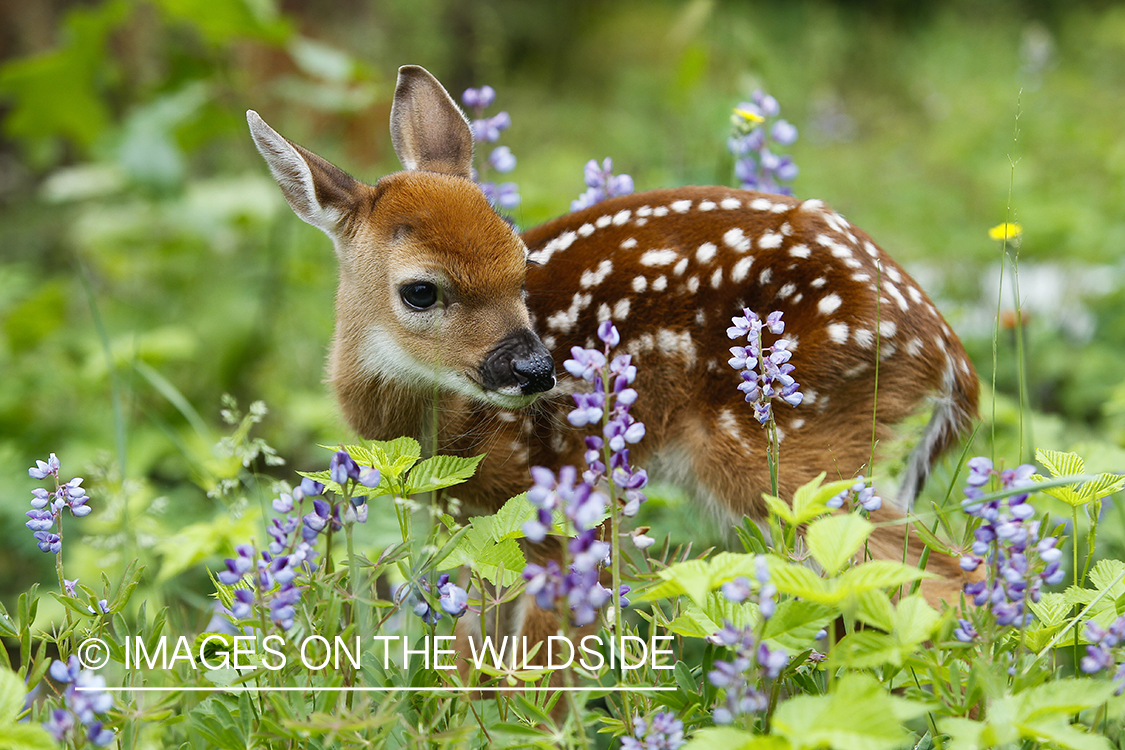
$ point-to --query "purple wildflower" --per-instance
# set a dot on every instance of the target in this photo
(742, 696)
(756, 166)
(601, 183)
(774, 381)
(84, 701)
(664, 732)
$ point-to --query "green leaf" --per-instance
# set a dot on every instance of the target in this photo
(1060, 464)
(12, 695)
(859, 715)
(25, 737)
(879, 574)
(867, 649)
(932, 541)
(875, 609)
(915, 621)
(795, 623)
(729, 738)
(697, 578)
(835, 540)
(439, 472)
(810, 500)
(779, 508)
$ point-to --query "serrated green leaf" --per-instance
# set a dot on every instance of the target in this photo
(1105, 484)
(1060, 464)
(795, 623)
(779, 508)
(12, 695)
(859, 715)
(25, 737)
(879, 574)
(875, 608)
(440, 472)
(810, 499)
(835, 540)
(867, 649)
(1063, 697)
(729, 738)
(797, 580)
(1051, 609)
(697, 578)
(915, 621)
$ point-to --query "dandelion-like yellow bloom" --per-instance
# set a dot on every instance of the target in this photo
(1005, 231)
(749, 116)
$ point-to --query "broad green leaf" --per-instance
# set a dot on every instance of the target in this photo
(1060, 464)
(779, 508)
(915, 620)
(867, 649)
(835, 540)
(439, 472)
(1051, 609)
(697, 578)
(875, 608)
(198, 541)
(859, 715)
(1063, 735)
(394, 457)
(25, 737)
(700, 622)
(795, 623)
(879, 574)
(12, 695)
(729, 738)
(1063, 697)
(809, 501)
(797, 580)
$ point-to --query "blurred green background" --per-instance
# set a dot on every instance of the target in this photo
(148, 264)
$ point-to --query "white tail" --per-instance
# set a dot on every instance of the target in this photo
(440, 299)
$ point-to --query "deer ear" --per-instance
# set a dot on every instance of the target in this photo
(319, 192)
(428, 130)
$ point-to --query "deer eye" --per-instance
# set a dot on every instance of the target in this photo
(420, 295)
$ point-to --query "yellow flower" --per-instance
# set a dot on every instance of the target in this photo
(749, 116)
(1006, 231)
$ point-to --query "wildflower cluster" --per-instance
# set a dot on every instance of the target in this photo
(578, 498)
(46, 506)
(601, 183)
(738, 677)
(1008, 542)
(663, 732)
(453, 599)
(505, 195)
(774, 380)
(291, 550)
(1100, 651)
(756, 166)
(863, 495)
(84, 700)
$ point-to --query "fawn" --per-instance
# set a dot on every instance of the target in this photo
(450, 327)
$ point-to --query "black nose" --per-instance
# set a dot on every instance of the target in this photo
(519, 360)
(535, 375)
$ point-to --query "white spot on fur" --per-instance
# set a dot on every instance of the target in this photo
(670, 342)
(693, 285)
(700, 318)
(861, 277)
(828, 304)
(558, 244)
(892, 290)
(914, 346)
(797, 424)
(603, 313)
(586, 230)
(640, 283)
(871, 249)
(549, 341)
(629, 244)
(621, 217)
(838, 332)
(864, 338)
(812, 205)
(896, 277)
(717, 278)
(564, 320)
(594, 277)
(730, 203)
(706, 252)
(818, 282)
(680, 267)
(681, 207)
(810, 396)
(786, 290)
(770, 240)
(644, 211)
(621, 309)
(660, 211)
(741, 269)
(728, 423)
(707, 205)
(660, 283)
(659, 257)
(736, 240)
(765, 276)
(915, 294)
(761, 204)
(603, 221)
(800, 251)
(800, 296)
(887, 328)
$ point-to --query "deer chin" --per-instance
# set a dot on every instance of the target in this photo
(508, 397)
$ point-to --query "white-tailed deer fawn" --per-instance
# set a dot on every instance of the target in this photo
(441, 301)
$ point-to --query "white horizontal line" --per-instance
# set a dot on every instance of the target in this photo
(254, 689)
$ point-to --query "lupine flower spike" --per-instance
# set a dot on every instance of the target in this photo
(601, 183)
(753, 125)
(505, 195)
(47, 507)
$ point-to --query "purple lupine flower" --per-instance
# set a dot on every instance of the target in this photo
(479, 98)
(756, 166)
(44, 469)
(1018, 561)
(664, 732)
(738, 590)
(774, 381)
(742, 695)
(343, 468)
(84, 700)
(502, 159)
(965, 631)
(452, 598)
(601, 183)
(47, 506)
